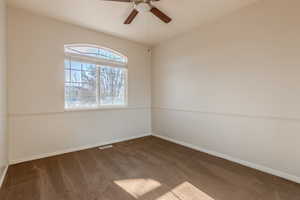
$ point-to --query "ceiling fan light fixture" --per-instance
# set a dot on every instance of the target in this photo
(143, 7)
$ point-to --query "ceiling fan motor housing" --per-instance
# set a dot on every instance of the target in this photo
(142, 5)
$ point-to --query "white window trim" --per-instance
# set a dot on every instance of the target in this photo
(99, 62)
(103, 107)
(97, 59)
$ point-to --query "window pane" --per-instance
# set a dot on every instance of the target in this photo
(80, 85)
(89, 76)
(67, 75)
(88, 67)
(76, 76)
(112, 86)
(76, 65)
(80, 95)
(67, 63)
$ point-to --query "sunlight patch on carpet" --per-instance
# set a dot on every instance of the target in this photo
(138, 187)
(185, 191)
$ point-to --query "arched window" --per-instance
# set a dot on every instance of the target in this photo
(94, 77)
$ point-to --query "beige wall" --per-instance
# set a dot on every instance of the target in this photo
(3, 96)
(232, 87)
(38, 124)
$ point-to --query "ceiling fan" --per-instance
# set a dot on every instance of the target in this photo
(144, 6)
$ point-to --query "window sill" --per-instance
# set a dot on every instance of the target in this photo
(116, 107)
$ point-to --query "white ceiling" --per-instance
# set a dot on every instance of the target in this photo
(108, 16)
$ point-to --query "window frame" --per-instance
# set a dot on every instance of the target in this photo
(98, 62)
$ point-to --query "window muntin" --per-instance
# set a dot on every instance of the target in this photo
(89, 84)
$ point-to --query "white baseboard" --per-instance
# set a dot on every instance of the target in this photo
(45, 155)
(2, 176)
(242, 162)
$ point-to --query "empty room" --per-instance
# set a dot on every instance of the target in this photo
(149, 100)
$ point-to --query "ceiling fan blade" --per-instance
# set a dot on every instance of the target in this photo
(131, 17)
(160, 15)
(118, 0)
